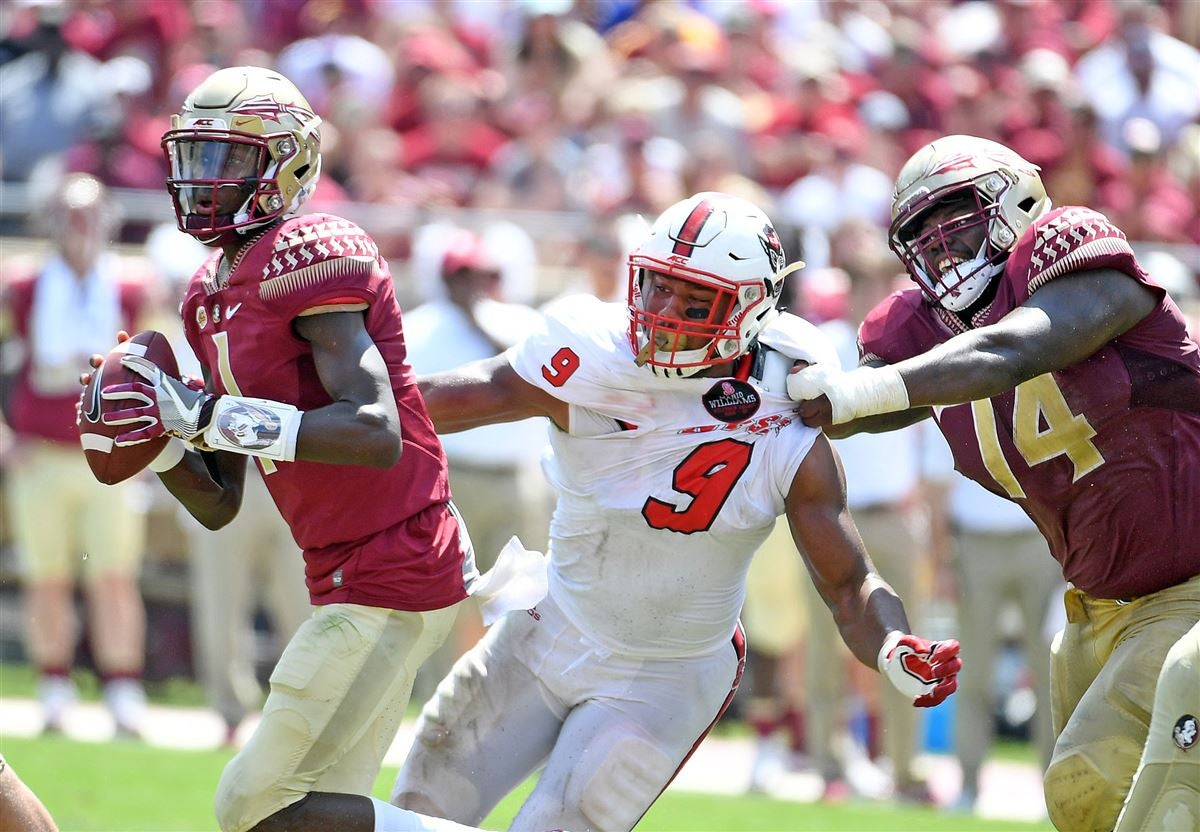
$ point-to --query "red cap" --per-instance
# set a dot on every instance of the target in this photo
(465, 251)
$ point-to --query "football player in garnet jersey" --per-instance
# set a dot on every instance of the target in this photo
(675, 450)
(297, 327)
(1063, 378)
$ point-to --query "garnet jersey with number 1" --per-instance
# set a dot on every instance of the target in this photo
(666, 486)
(1103, 455)
(382, 538)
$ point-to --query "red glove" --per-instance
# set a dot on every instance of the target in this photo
(925, 670)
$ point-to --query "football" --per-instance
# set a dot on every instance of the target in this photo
(109, 463)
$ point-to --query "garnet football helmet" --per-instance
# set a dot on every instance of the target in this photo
(721, 243)
(244, 151)
(999, 191)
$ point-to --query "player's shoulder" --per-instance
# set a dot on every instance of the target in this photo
(890, 320)
(1067, 239)
(307, 241)
(587, 322)
(580, 346)
(798, 339)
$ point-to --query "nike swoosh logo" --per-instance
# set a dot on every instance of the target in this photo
(92, 414)
(230, 311)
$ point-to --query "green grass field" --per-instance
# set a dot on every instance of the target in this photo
(132, 787)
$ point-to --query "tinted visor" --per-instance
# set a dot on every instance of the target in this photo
(215, 174)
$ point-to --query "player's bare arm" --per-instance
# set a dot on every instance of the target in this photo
(484, 393)
(863, 604)
(1062, 323)
(361, 426)
(209, 485)
(868, 613)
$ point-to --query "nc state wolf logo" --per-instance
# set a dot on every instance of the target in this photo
(771, 245)
(268, 109)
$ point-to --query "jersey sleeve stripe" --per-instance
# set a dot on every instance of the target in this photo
(1078, 258)
(303, 278)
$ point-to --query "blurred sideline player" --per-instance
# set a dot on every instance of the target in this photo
(775, 618)
(66, 525)
(1063, 378)
(300, 313)
(675, 450)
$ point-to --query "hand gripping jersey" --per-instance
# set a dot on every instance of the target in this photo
(381, 538)
(666, 487)
(1103, 455)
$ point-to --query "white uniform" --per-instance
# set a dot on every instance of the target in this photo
(666, 487)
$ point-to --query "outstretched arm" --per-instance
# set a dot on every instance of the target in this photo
(484, 393)
(868, 613)
(1061, 324)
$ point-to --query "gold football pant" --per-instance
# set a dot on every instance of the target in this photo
(1104, 670)
(1166, 789)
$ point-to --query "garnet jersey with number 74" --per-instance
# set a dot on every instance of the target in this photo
(1103, 455)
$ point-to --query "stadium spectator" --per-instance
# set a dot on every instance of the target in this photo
(589, 680)
(334, 409)
(1029, 323)
(49, 98)
(68, 527)
(1148, 202)
(1142, 72)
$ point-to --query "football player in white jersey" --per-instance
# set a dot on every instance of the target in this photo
(675, 448)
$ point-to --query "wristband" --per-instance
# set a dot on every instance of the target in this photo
(255, 427)
(169, 456)
(889, 644)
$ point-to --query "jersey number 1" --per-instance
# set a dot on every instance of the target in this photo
(1035, 402)
(225, 368)
(708, 474)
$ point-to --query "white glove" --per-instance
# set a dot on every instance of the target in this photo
(863, 391)
(183, 411)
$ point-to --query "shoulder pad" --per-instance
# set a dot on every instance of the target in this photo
(1066, 240)
(882, 329)
(313, 239)
(799, 340)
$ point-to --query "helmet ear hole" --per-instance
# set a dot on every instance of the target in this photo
(1027, 204)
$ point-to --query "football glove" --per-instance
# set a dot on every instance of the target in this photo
(863, 391)
(926, 671)
(164, 405)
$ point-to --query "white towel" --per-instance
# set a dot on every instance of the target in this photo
(70, 320)
(517, 582)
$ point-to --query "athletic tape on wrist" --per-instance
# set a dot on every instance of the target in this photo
(876, 390)
(169, 456)
(256, 427)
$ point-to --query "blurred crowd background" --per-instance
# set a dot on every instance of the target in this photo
(506, 152)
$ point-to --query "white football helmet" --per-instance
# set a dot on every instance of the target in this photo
(721, 243)
(1000, 191)
(244, 151)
